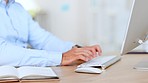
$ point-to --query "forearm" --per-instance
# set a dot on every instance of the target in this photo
(18, 56)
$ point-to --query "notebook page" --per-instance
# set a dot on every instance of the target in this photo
(36, 71)
(8, 72)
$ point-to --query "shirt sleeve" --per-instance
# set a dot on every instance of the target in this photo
(44, 40)
(17, 56)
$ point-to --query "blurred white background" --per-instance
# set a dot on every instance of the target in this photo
(85, 22)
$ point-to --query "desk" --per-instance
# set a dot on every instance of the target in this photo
(121, 72)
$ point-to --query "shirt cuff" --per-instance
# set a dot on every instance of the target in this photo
(54, 57)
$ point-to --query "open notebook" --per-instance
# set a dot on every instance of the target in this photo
(10, 73)
(100, 62)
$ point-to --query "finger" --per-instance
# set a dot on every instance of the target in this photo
(90, 54)
(82, 57)
(98, 49)
(85, 54)
(93, 51)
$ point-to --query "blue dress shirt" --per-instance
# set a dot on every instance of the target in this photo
(17, 30)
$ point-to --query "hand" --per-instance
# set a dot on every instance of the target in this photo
(85, 54)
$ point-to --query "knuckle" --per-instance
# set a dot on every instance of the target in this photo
(79, 56)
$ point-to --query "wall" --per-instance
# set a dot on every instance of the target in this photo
(86, 22)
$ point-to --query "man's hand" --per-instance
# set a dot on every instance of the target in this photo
(85, 54)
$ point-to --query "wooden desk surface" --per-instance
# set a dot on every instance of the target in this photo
(121, 72)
